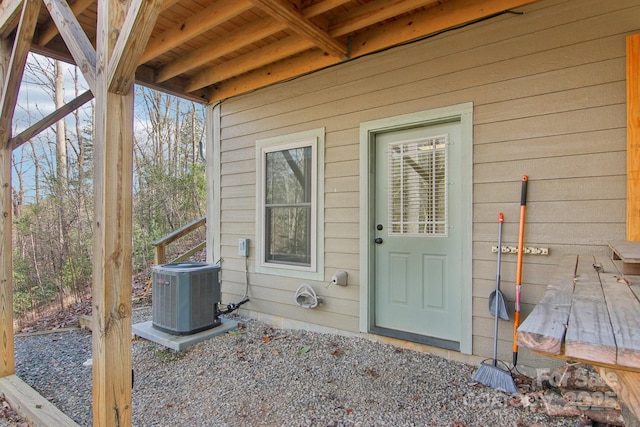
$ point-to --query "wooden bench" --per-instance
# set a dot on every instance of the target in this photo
(591, 313)
(628, 253)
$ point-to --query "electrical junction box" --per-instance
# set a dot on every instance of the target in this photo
(243, 247)
(185, 297)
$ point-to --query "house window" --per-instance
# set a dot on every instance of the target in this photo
(289, 204)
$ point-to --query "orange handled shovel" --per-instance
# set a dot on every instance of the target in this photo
(516, 321)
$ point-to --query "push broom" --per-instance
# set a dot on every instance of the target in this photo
(490, 374)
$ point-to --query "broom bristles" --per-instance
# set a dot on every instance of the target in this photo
(495, 377)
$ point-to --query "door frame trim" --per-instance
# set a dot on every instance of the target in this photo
(368, 131)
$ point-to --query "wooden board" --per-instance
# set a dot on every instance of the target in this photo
(628, 253)
(627, 386)
(589, 332)
(603, 325)
(544, 329)
(31, 406)
(623, 308)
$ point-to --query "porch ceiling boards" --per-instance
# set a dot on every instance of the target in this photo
(208, 50)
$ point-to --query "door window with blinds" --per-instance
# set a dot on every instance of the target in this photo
(418, 195)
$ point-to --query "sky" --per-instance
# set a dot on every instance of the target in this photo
(35, 101)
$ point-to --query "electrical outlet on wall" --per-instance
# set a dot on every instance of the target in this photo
(243, 247)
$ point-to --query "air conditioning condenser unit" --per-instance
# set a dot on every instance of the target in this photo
(185, 297)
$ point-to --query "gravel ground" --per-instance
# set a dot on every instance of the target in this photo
(263, 376)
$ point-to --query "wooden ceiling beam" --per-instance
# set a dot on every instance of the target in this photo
(75, 38)
(208, 76)
(9, 14)
(283, 11)
(396, 9)
(145, 76)
(322, 7)
(217, 13)
(134, 34)
(268, 54)
(428, 22)
(166, 4)
(15, 69)
(374, 12)
(385, 17)
(289, 68)
(418, 25)
(250, 33)
(49, 30)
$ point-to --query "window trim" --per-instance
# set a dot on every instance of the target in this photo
(315, 139)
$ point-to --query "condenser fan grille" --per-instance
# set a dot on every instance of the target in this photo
(185, 296)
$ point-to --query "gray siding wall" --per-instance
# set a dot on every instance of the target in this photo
(548, 89)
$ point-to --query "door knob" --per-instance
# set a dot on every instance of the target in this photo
(378, 240)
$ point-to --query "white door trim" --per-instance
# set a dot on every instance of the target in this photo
(368, 130)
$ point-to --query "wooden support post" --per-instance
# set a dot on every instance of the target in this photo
(113, 195)
(633, 137)
(12, 59)
(113, 151)
(7, 361)
(113, 179)
(160, 255)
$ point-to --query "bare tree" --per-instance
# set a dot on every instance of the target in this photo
(53, 191)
